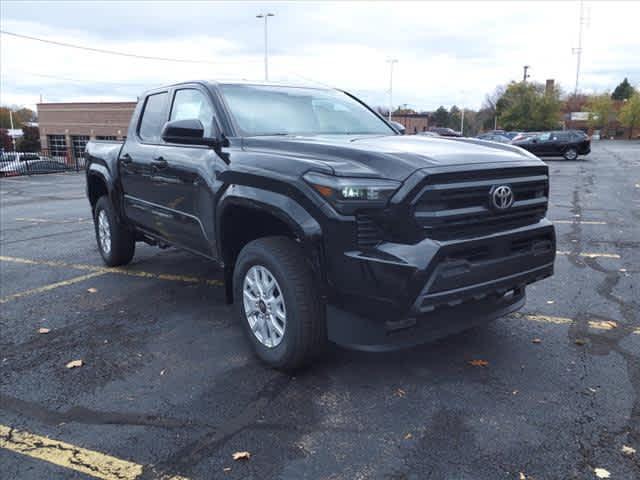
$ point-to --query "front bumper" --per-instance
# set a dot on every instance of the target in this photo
(398, 295)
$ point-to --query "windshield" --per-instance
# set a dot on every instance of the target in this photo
(273, 110)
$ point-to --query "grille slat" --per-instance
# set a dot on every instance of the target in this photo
(457, 205)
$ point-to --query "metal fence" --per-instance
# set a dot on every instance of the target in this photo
(46, 161)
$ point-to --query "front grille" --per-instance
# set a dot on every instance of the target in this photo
(368, 232)
(457, 205)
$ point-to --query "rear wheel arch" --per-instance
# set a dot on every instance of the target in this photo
(97, 186)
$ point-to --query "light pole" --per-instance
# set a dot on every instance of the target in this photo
(462, 122)
(391, 61)
(266, 51)
(525, 75)
(13, 138)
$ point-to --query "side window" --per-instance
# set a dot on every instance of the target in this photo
(189, 104)
(153, 117)
(544, 137)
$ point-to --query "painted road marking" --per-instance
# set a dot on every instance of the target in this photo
(57, 222)
(89, 462)
(581, 222)
(51, 286)
(589, 254)
(593, 324)
(118, 270)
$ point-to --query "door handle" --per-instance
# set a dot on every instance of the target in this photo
(159, 162)
(126, 158)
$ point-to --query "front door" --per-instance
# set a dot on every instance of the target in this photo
(185, 177)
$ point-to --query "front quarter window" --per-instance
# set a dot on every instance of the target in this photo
(273, 110)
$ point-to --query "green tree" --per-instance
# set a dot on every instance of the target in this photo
(30, 141)
(623, 91)
(454, 118)
(20, 117)
(630, 113)
(441, 117)
(529, 106)
(5, 140)
(600, 108)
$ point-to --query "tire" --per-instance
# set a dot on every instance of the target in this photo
(570, 154)
(300, 338)
(119, 247)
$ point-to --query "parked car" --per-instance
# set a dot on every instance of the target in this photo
(445, 132)
(494, 137)
(564, 143)
(327, 223)
(31, 166)
(428, 134)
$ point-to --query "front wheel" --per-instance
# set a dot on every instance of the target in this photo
(116, 242)
(277, 303)
(570, 154)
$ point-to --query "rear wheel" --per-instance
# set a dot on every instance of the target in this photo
(115, 241)
(570, 154)
(277, 303)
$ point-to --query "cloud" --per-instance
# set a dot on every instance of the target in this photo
(449, 53)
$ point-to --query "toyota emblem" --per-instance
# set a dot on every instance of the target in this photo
(502, 197)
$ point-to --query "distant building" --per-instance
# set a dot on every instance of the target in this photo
(67, 127)
(413, 122)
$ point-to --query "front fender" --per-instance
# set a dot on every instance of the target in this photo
(294, 215)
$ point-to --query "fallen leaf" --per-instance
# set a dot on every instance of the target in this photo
(628, 450)
(478, 363)
(408, 436)
(44, 330)
(226, 469)
(92, 290)
(592, 390)
(601, 473)
(536, 340)
(522, 476)
(161, 372)
(74, 364)
(580, 341)
(241, 456)
(400, 393)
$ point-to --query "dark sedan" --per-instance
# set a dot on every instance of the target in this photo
(565, 143)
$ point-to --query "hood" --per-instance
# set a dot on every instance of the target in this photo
(393, 156)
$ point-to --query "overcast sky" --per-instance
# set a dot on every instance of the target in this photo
(448, 52)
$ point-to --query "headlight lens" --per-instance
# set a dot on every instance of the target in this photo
(348, 194)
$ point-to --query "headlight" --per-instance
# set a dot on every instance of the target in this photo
(348, 194)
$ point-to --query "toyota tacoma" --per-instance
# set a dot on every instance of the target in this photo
(329, 225)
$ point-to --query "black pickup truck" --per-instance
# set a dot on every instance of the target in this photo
(327, 222)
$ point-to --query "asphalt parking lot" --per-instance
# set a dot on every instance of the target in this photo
(169, 388)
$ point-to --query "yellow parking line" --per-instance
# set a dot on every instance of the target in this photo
(590, 255)
(89, 462)
(118, 270)
(544, 318)
(51, 286)
(582, 222)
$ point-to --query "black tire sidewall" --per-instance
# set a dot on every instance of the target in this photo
(122, 240)
(255, 254)
(568, 157)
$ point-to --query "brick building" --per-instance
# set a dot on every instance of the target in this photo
(413, 122)
(67, 127)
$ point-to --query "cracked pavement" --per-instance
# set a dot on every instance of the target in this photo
(169, 383)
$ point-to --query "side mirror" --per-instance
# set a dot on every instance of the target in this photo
(189, 131)
(398, 126)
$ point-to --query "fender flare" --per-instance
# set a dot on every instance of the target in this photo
(102, 172)
(294, 215)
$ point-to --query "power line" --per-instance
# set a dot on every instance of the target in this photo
(114, 52)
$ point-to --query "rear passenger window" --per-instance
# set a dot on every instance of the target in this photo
(153, 117)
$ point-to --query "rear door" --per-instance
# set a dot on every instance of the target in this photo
(137, 166)
(186, 181)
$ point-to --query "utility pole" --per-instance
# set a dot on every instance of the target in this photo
(391, 61)
(266, 51)
(578, 51)
(13, 138)
(525, 75)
